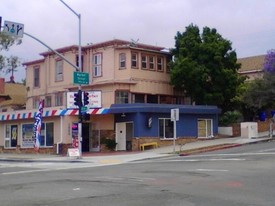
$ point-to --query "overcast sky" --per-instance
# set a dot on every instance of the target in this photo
(248, 24)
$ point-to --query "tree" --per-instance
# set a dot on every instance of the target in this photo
(8, 65)
(205, 67)
(260, 93)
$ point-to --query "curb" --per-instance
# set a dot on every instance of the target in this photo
(218, 147)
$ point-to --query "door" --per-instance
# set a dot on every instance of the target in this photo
(85, 137)
(205, 128)
(121, 136)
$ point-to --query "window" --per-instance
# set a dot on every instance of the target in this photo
(152, 98)
(134, 59)
(36, 101)
(46, 139)
(122, 61)
(160, 64)
(48, 101)
(138, 98)
(59, 99)
(11, 135)
(168, 68)
(144, 62)
(166, 130)
(97, 64)
(36, 72)
(205, 128)
(82, 62)
(122, 97)
(152, 63)
(58, 70)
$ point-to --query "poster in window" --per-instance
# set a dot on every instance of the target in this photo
(75, 135)
(14, 135)
(27, 135)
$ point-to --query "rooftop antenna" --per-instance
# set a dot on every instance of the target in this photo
(134, 42)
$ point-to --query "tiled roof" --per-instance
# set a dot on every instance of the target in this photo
(254, 63)
(17, 93)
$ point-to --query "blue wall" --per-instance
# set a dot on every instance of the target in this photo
(186, 126)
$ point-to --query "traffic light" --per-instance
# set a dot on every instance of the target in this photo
(77, 99)
(86, 98)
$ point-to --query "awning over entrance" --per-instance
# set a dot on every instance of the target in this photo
(162, 108)
(28, 114)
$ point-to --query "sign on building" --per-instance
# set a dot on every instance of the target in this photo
(13, 29)
(94, 100)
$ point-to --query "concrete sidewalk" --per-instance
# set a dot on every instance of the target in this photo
(121, 157)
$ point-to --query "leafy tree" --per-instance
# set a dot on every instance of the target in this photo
(260, 93)
(205, 67)
(8, 65)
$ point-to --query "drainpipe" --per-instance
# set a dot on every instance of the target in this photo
(61, 135)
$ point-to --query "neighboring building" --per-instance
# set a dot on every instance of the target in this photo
(130, 100)
(252, 67)
(12, 96)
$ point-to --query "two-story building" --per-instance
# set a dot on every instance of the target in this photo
(130, 100)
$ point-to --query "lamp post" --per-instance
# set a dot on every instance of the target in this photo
(79, 69)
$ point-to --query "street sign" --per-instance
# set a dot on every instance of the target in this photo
(175, 114)
(13, 29)
(81, 78)
(84, 109)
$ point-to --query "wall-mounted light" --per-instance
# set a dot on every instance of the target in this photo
(123, 115)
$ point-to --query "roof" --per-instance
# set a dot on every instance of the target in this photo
(162, 108)
(17, 93)
(254, 63)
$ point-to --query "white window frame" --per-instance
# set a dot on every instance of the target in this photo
(58, 99)
(59, 70)
(144, 63)
(159, 63)
(9, 135)
(165, 132)
(36, 76)
(97, 65)
(134, 60)
(205, 130)
(122, 61)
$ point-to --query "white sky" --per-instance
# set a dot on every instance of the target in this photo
(248, 24)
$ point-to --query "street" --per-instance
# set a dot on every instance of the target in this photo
(241, 176)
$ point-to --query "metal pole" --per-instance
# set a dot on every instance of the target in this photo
(79, 69)
(175, 136)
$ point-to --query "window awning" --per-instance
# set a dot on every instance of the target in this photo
(27, 114)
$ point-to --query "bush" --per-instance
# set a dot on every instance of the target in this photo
(110, 143)
(229, 118)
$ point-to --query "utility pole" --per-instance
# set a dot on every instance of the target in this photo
(79, 86)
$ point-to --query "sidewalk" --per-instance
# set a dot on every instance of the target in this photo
(120, 157)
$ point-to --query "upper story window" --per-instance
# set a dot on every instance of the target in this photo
(97, 65)
(122, 97)
(134, 60)
(48, 101)
(59, 70)
(159, 63)
(152, 63)
(36, 75)
(168, 68)
(36, 101)
(58, 99)
(143, 61)
(82, 62)
(122, 61)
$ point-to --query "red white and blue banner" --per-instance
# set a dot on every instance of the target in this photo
(38, 125)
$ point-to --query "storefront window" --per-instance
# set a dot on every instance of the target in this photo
(11, 135)
(46, 139)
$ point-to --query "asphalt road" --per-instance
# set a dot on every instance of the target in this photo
(241, 176)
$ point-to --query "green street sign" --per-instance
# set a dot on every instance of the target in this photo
(84, 109)
(81, 78)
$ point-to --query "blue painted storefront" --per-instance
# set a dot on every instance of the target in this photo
(187, 126)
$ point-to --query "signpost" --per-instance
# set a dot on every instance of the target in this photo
(175, 118)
